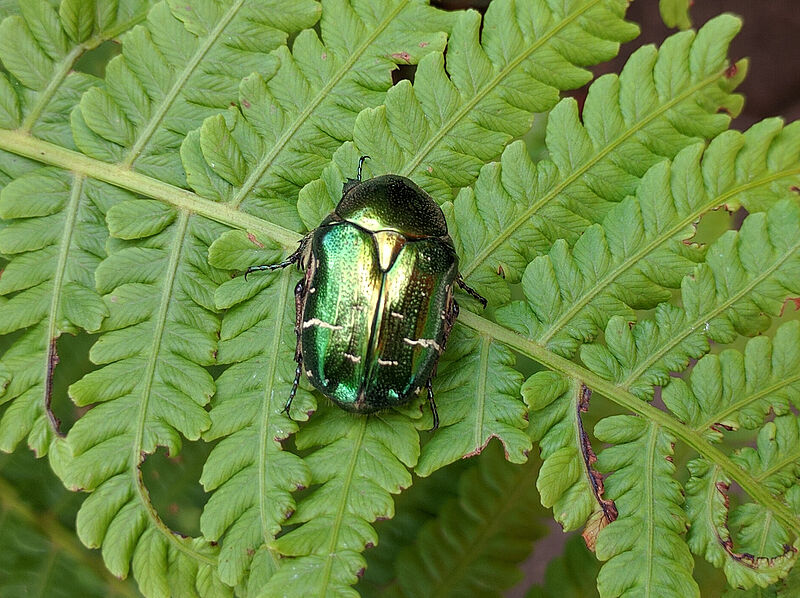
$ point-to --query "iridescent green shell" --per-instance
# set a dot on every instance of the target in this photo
(377, 302)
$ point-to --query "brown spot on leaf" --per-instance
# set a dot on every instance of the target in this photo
(245, 103)
(404, 56)
(252, 238)
(731, 71)
(606, 511)
(424, 44)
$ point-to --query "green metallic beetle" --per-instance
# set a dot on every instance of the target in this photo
(376, 305)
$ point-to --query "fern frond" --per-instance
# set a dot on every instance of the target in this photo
(746, 277)
(286, 128)
(250, 476)
(180, 67)
(475, 544)
(477, 390)
(733, 390)
(53, 230)
(358, 462)
(651, 522)
(443, 128)
(643, 248)
(565, 481)
(664, 101)
(761, 552)
(160, 332)
(54, 235)
(39, 48)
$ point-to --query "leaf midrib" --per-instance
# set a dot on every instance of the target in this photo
(180, 83)
(408, 169)
(55, 301)
(689, 329)
(266, 408)
(158, 332)
(504, 235)
(734, 407)
(337, 522)
(67, 63)
(256, 174)
(649, 476)
(655, 243)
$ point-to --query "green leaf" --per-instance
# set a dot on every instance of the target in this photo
(443, 128)
(54, 233)
(675, 13)
(664, 101)
(356, 465)
(286, 127)
(474, 545)
(565, 481)
(477, 391)
(746, 277)
(733, 390)
(39, 48)
(762, 551)
(180, 67)
(250, 475)
(643, 248)
(160, 332)
(651, 522)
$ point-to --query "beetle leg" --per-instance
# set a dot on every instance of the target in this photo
(432, 403)
(299, 296)
(361, 161)
(295, 384)
(292, 259)
(470, 291)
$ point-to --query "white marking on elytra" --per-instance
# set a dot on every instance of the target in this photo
(423, 342)
(353, 358)
(387, 362)
(321, 324)
(394, 314)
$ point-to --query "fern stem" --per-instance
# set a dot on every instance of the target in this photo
(23, 144)
(626, 399)
(469, 105)
(582, 170)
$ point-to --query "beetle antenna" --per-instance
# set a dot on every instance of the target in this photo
(360, 164)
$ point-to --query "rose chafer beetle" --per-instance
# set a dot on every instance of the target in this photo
(376, 305)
